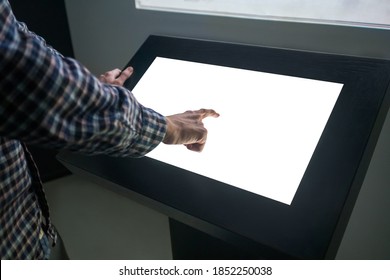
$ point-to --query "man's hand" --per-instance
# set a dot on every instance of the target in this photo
(187, 128)
(116, 76)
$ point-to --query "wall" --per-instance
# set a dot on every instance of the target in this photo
(106, 34)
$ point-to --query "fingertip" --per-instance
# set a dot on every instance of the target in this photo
(211, 113)
(130, 69)
(215, 114)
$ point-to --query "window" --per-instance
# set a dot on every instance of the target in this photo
(373, 13)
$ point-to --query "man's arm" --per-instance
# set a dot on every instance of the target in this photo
(54, 101)
(50, 100)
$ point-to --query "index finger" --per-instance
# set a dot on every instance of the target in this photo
(204, 113)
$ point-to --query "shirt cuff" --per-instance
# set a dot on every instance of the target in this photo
(152, 132)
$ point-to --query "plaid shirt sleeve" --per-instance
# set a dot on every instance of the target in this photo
(50, 100)
(54, 101)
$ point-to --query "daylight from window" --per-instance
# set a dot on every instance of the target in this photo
(373, 13)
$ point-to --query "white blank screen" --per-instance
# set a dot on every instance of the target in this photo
(268, 128)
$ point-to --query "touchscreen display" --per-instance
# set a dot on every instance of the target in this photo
(268, 128)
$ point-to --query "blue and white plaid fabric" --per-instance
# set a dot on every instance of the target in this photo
(50, 100)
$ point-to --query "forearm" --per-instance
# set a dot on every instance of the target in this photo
(54, 101)
(100, 118)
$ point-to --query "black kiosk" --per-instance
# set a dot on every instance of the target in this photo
(224, 221)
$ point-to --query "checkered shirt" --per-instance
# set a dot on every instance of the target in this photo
(53, 101)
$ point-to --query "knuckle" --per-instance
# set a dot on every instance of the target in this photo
(203, 131)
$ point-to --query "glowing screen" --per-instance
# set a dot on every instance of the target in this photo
(268, 128)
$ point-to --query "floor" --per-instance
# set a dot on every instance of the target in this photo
(96, 223)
